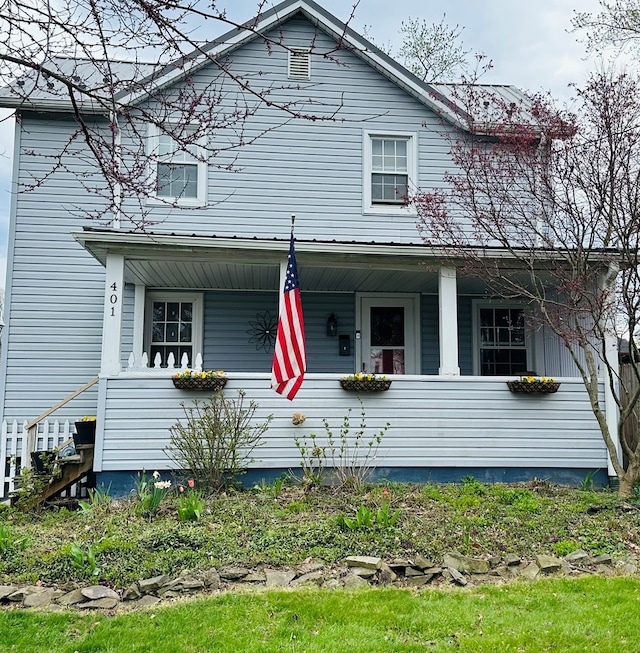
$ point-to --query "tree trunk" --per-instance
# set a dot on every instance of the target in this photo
(627, 483)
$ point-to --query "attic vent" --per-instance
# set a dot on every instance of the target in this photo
(299, 63)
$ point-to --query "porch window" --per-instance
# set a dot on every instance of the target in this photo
(180, 174)
(173, 327)
(503, 347)
(390, 171)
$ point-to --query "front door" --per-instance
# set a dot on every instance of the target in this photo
(389, 335)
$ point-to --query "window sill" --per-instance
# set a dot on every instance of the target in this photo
(174, 201)
(389, 209)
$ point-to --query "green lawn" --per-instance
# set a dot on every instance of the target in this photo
(589, 614)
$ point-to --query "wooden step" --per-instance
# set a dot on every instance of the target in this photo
(72, 470)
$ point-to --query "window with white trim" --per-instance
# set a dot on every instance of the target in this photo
(173, 325)
(390, 171)
(502, 340)
(178, 170)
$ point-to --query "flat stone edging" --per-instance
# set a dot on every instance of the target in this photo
(355, 571)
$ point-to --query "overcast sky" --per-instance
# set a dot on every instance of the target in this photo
(529, 43)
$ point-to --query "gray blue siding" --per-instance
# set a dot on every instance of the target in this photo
(429, 428)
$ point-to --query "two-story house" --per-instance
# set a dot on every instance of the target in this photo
(204, 278)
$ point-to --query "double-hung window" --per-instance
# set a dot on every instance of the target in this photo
(390, 171)
(179, 172)
(502, 340)
(174, 326)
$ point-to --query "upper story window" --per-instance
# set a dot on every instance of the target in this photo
(179, 173)
(390, 171)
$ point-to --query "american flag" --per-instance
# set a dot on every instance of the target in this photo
(289, 357)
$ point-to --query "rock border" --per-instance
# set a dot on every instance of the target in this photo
(355, 571)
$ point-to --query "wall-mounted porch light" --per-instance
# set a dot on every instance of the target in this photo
(332, 326)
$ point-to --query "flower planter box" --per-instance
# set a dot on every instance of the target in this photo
(535, 387)
(365, 385)
(213, 385)
(85, 433)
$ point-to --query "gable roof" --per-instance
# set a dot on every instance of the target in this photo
(143, 80)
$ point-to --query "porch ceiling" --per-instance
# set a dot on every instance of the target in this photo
(196, 262)
(242, 276)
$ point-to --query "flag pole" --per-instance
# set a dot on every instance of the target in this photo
(293, 220)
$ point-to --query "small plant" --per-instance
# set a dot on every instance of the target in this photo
(274, 489)
(150, 493)
(473, 487)
(88, 418)
(353, 454)
(537, 379)
(313, 460)
(9, 541)
(31, 485)
(84, 560)
(97, 497)
(385, 517)
(363, 519)
(364, 376)
(193, 374)
(563, 548)
(216, 439)
(588, 483)
(190, 502)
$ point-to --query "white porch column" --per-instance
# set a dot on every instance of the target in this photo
(138, 322)
(112, 318)
(448, 322)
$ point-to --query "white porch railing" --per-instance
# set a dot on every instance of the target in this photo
(16, 450)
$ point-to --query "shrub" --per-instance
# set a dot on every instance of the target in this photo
(216, 439)
(351, 453)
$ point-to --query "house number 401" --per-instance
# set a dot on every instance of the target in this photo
(113, 298)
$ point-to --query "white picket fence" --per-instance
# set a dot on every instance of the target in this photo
(51, 433)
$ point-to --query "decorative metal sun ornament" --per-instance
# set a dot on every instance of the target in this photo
(263, 330)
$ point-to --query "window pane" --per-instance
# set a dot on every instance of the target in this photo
(158, 333)
(172, 332)
(389, 189)
(158, 311)
(387, 361)
(177, 180)
(173, 311)
(387, 326)
(185, 333)
(186, 311)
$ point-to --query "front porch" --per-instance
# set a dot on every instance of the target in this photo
(450, 411)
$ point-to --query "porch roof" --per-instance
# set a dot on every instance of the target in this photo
(172, 260)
